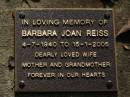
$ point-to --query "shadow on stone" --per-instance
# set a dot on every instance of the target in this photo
(68, 94)
(124, 37)
(36, 0)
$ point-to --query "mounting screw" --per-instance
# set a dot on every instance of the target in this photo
(21, 15)
(109, 84)
(21, 84)
(107, 16)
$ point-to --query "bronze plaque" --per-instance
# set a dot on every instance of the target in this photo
(64, 50)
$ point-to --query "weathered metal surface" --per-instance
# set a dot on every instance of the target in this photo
(100, 78)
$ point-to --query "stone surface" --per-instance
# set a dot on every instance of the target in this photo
(122, 14)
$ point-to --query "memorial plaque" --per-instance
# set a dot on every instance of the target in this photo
(64, 50)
